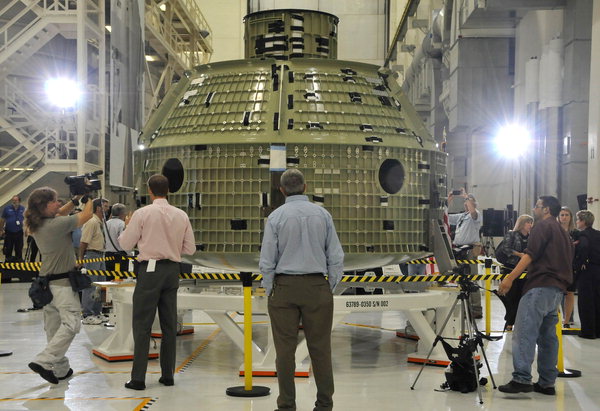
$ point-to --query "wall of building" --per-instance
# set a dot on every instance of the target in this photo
(577, 34)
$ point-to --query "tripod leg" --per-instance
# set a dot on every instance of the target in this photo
(437, 338)
(480, 344)
(487, 364)
(469, 321)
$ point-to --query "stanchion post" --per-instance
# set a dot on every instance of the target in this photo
(247, 390)
(3, 353)
(488, 296)
(560, 364)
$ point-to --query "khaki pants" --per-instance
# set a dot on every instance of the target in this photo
(305, 298)
(62, 321)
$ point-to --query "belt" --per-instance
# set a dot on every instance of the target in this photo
(301, 275)
(52, 277)
(94, 251)
(159, 261)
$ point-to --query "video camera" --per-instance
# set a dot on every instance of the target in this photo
(84, 184)
(466, 284)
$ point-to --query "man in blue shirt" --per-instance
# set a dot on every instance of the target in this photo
(300, 247)
(468, 224)
(11, 225)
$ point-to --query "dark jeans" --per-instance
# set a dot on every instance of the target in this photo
(305, 298)
(13, 241)
(157, 289)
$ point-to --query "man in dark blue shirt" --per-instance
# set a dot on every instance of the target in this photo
(11, 225)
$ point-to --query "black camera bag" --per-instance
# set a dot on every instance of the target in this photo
(460, 374)
(39, 292)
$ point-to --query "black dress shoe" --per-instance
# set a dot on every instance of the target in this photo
(514, 387)
(544, 390)
(48, 375)
(135, 385)
(67, 375)
(166, 381)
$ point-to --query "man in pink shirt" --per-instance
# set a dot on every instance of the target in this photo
(162, 233)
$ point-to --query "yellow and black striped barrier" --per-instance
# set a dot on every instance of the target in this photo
(37, 265)
(432, 261)
(345, 278)
(257, 277)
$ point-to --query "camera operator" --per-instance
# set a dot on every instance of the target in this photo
(468, 224)
(51, 228)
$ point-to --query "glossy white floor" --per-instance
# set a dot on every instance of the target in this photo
(369, 361)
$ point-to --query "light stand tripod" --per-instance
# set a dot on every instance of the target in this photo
(469, 332)
(488, 246)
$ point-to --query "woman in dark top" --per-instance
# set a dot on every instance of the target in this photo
(513, 245)
(587, 264)
(567, 222)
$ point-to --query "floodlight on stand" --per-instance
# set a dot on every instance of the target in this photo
(512, 140)
(62, 92)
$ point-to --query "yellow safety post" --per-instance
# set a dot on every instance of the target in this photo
(560, 363)
(488, 296)
(247, 390)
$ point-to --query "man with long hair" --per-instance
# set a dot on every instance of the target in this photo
(51, 227)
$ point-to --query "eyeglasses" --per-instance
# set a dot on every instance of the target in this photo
(538, 206)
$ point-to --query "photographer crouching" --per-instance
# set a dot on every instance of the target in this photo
(51, 227)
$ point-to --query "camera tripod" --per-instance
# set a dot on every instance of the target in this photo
(469, 332)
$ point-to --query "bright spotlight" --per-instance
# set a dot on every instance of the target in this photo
(512, 140)
(62, 92)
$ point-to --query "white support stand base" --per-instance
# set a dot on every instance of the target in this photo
(120, 344)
